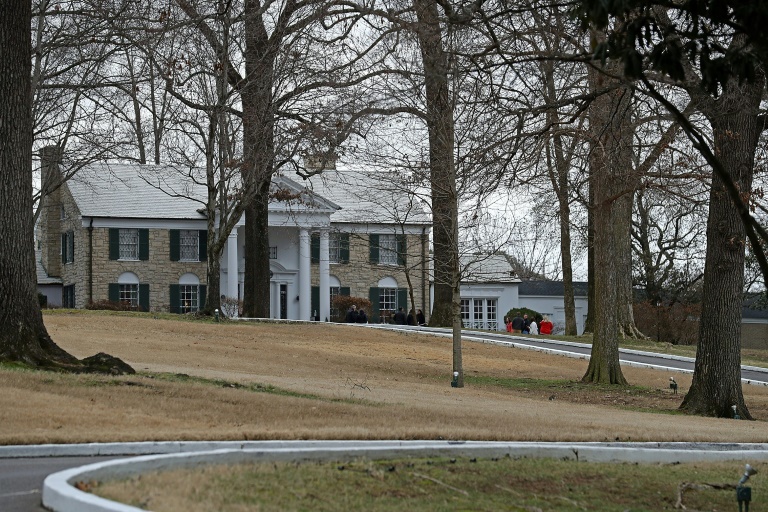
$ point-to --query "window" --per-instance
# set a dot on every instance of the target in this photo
(387, 250)
(129, 294)
(273, 252)
(68, 247)
(478, 316)
(186, 244)
(129, 244)
(490, 313)
(465, 312)
(62, 213)
(128, 290)
(189, 245)
(338, 248)
(188, 296)
(68, 296)
(479, 313)
(387, 299)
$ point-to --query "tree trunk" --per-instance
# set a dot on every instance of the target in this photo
(610, 165)
(716, 385)
(440, 124)
(559, 166)
(625, 296)
(258, 159)
(23, 336)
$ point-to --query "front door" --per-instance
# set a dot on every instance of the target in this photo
(284, 301)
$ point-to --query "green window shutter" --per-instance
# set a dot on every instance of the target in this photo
(201, 290)
(72, 242)
(344, 248)
(203, 245)
(344, 290)
(114, 292)
(314, 248)
(114, 244)
(144, 297)
(402, 299)
(174, 297)
(144, 245)
(175, 236)
(401, 249)
(63, 247)
(374, 250)
(373, 295)
(314, 301)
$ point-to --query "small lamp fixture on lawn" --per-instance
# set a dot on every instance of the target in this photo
(216, 314)
(735, 412)
(455, 381)
(744, 494)
(673, 385)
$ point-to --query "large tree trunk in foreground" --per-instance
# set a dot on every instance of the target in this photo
(23, 336)
(258, 159)
(445, 219)
(610, 166)
(716, 385)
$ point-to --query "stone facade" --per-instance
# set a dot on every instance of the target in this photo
(159, 271)
(360, 275)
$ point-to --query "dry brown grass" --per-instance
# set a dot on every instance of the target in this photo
(359, 384)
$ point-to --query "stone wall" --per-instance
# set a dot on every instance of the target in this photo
(159, 271)
(360, 274)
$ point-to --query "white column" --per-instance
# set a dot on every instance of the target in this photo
(232, 268)
(325, 277)
(305, 288)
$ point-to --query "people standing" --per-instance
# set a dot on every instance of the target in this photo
(352, 315)
(420, 319)
(533, 328)
(526, 324)
(546, 326)
(362, 318)
(517, 323)
(400, 317)
(508, 323)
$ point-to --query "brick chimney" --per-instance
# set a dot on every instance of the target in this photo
(50, 209)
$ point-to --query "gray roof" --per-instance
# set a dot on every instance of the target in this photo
(42, 275)
(550, 288)
(136, 191)
(755, 306)
(368, 197)
(156, 192)
(487, 268)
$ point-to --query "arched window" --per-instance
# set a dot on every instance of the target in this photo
(127, 290)
(388, 296)
(187, 296)
(128, 286)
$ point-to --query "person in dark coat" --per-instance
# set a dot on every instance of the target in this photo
(400, 317)
(517, 323)
(411, 318)
(352, 315)
(362, 318)
(420, 318)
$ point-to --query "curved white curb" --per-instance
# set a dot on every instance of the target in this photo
(59, 494)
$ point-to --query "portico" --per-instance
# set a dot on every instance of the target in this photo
(291, 225)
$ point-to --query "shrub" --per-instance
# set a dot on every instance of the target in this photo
(677, 323)
(341, 304)
(111, 305)
(512, 313)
